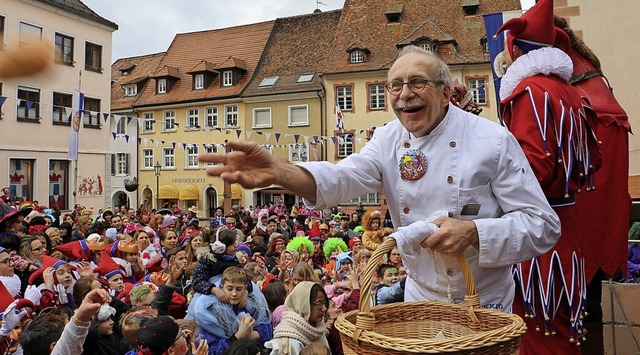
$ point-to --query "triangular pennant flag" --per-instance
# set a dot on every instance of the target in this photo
(248, 134)
(238, 132)
(139, 140)
(129, 118)
(207, 129)
(114, 135)
(296, 137)
(359, 140)
(18, 102)
(361, 131)
(277, 137)
(267, 136)
(333, 139)
(105, 116)
(145, 140)
(162, 142)
(287, 135)
(184, 146)
(259, 132)
(315, 139)
(126, 138)
(29, 104)
(173, 144)
(2, 100)
(218, 129)
(306, 139)
(68, 111)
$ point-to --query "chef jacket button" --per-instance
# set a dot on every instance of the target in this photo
(406, 210)
(407, 145)
(449, 272)
(452, 144)
(449, 179)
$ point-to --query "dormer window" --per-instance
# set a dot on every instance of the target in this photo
(268, 81)
(357, 56)
(198, 81)
(470, 7)
(227, 78)
(485, 44)
(426, 46)
(131, 90)
(162, 86)
(394, 13)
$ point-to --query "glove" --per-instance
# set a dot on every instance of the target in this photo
(11, 318)
(33, 294)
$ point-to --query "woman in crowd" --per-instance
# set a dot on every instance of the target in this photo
(146, 250)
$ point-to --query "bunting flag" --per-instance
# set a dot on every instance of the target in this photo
(105, 116)
(339, 119)
(113, 134)
(277, 137)
(129, 118)
(296, 137)
(2, 100)
(75, 126)
(266, 135)
(126, 138)
(238, 133)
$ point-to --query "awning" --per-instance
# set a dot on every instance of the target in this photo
(189, 192)
(168, 192)
(236, 192)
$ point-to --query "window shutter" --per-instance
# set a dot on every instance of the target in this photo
(113, 164)
(126, 165)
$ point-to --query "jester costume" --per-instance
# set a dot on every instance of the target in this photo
(554, 128)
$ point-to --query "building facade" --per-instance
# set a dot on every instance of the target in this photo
(37, 110)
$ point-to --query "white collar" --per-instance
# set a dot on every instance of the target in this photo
(546, 60)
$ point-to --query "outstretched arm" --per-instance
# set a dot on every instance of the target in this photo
(252, 166)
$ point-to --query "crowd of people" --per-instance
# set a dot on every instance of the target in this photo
(270, 279)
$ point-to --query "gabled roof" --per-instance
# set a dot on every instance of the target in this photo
(298, 45)
(231, 63)
(365, 21)
(202, 67)
(140, 68)
(166, 71)
(214, 46)
(76, 7)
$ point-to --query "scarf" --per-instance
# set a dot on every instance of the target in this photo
(294, 326)
(12, 284)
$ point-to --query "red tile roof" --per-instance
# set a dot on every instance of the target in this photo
(298, 45)
(363, 22)
(140, 69)
(202, 67)
(241, 46)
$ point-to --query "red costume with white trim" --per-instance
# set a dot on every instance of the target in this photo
(553, 125)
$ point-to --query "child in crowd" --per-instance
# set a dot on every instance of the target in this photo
(222, 323)
(391, 288)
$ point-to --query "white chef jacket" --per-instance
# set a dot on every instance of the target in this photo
(470, 161)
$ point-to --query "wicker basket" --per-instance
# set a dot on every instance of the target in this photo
(411, 327)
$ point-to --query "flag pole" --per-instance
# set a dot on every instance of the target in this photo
(75, 162)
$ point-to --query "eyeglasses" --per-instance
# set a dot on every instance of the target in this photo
(7, 261)
(416, 85)
(321, 305)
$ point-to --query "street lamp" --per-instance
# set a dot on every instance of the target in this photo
(156, 169)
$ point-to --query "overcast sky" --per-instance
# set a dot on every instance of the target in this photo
(148, 26)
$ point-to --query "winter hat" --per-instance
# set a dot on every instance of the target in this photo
(353, 241)
(244, 248)
(111, 233)
(108, 267)
(47, 261)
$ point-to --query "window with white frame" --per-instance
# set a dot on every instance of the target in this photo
(191, 156)
(210, 149)
(298, 115)
(147, 158)
(298, 153)
(368, 199)
(169, 121)
(168, 158)
(131, 90)
(345, 145)
(477, 90)
(268, 147)
(231, 115)
(426, 46)
(28, 104)
(121, 125)
(357, 57)
(376, 97)
(122, 164)
(193, 118)
(262, 117)
(227, 78)
(148, 123)
(198, 81)
(211, 116)
(344, 97)
(162, 86)
(29, 33)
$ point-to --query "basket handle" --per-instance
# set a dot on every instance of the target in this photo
(365, 320)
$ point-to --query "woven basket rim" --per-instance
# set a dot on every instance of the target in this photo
(466, 342)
